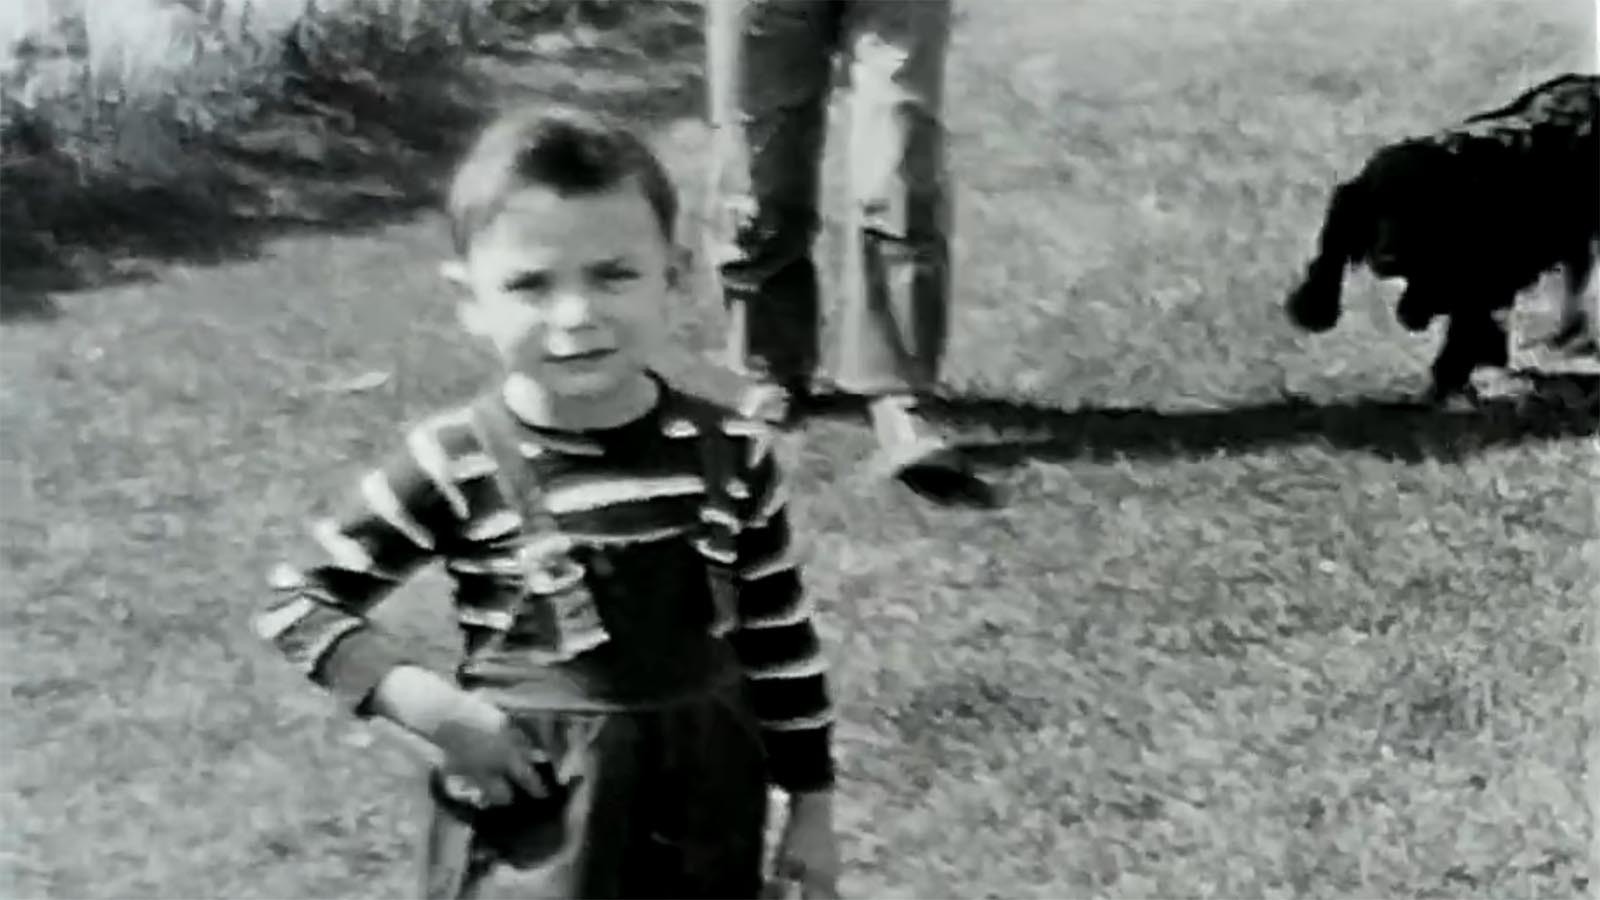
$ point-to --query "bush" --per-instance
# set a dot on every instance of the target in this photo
(125, 125)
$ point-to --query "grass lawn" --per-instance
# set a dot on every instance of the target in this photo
(1219, 643)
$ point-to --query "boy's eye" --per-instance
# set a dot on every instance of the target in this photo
(529, 282)
(616, 275)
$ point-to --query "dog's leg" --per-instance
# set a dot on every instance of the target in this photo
(1494, 346)
(1418, 305)
(1472, 340)
(1314, 304)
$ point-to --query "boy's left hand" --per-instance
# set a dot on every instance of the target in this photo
(808, 852)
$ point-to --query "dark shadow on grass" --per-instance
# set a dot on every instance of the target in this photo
(335, 151)
(27, 304)
(1555, 406)
(1558, 406)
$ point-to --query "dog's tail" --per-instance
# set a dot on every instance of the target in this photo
(1314, 304)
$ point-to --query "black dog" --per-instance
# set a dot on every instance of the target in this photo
(1470, 217)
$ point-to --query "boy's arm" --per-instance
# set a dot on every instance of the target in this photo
(775, 639)
(388, 527)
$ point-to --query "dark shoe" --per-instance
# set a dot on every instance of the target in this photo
(921, 461)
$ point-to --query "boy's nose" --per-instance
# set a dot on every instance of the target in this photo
(571, 309)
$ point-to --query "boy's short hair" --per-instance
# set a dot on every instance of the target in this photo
(569, 150)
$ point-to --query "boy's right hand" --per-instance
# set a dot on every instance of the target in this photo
(486, 756)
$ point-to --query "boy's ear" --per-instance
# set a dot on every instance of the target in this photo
(454, 271)
(468, 312)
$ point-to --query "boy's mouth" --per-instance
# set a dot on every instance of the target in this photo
(585, 356)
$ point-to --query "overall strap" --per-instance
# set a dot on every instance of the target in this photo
(500, 435)
(719, 469)
(718, 531)
(565, 608)
(497, 433)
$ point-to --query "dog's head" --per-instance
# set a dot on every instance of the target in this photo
(1394, 217)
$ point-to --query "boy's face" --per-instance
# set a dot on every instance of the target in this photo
(571, 290)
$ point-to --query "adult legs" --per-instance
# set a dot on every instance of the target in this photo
(896, 295)
(895, 299)
(772, 70)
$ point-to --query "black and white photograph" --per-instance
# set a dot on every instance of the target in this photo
(1063, 449)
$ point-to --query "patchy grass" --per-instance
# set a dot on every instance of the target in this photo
(1220, 643)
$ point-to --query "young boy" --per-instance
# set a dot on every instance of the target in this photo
(639, 659)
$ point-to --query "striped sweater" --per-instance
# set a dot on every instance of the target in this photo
(630, 601)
